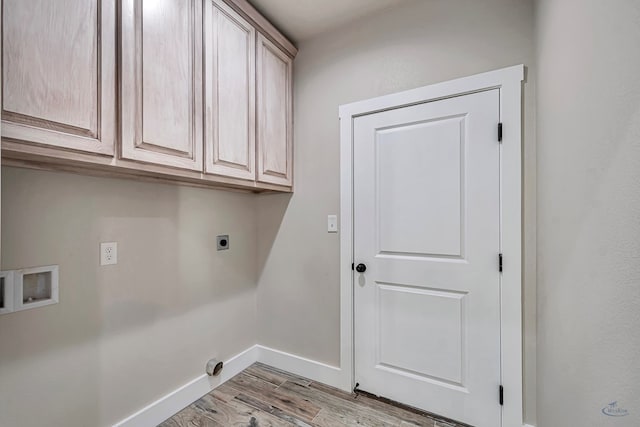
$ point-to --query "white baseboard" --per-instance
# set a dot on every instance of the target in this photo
(166, 406)
(163, 408)
(302, 366)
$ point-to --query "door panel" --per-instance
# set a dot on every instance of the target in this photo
(230, 98)
(427, 225)
(431, 324)
(275, 155)
(161, 82)
(423, 219)
(58, 73)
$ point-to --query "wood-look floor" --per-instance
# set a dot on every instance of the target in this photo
(262, 396)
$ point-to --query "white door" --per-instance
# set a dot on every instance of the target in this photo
(427, 228)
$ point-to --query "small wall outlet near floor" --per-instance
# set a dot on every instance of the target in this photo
(108, 253)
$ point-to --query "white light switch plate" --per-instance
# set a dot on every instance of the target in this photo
(108, 253)
(332, 223)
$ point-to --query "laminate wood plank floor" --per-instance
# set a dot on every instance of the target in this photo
(262, 396)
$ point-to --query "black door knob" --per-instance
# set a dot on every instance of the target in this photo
(361, 268)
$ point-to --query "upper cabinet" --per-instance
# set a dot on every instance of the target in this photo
(161, 76)
(59, 73)
(274, 114)
(229, 119)
(192, 91)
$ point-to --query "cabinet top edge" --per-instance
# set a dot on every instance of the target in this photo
(263, 25)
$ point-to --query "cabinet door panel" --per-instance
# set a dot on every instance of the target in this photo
(161, 82)
(230, 92)
(274, 114)
(58, 73)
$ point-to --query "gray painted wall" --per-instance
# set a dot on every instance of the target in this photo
(588, 211)
(122, 336)
(415, 44)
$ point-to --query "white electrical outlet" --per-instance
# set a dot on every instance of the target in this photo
(108, 253)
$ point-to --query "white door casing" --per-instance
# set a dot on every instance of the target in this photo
(427, 227)
(508, 83)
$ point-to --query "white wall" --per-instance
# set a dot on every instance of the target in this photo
(415, 44)
(122, 336)
(589, 211)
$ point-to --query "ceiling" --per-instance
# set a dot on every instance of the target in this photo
(302, 19)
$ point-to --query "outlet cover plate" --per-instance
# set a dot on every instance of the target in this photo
(108, 253)
(332, 223)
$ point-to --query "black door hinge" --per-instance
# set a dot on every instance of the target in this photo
(499, 132)
(501, 395)
(500, 263)
(352, 265)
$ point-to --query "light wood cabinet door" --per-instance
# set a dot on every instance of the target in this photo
(58, 73)
(161, 111)
(229, 123)
(274, 114)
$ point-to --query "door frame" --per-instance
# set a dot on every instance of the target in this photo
(509, 82)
